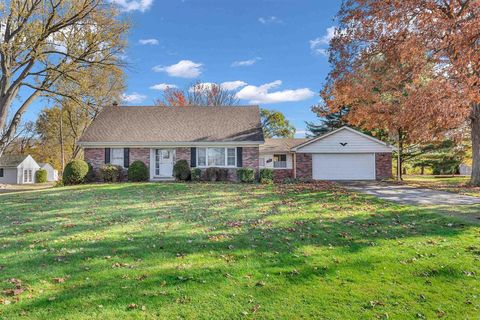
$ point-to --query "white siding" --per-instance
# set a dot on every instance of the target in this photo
(9, 176)
(27, 164)
(52, 174)
(355, 143)
(269, 165)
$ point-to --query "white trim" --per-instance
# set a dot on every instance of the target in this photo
(160, 144)
(341, 129)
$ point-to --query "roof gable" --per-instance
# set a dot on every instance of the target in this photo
(175, 124)
(344, 140)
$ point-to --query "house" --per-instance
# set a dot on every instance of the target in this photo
(17, 169)
(227, 137)
(52, 174)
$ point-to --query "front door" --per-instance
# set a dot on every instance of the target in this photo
(164, 163)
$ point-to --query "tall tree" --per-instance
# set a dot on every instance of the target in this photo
(430, 79)
(47, 41)
(274, 122)
(276, 125)
(59, 128)
(329, 121)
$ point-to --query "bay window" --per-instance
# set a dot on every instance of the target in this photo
(216, 157)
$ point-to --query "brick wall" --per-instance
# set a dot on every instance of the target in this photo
(94, 156)
(250, 157)
(383, 164)
(304, 166)
(183, 154)
(141, 154)
(279, 175)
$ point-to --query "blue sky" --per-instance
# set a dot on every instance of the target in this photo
(270, 51)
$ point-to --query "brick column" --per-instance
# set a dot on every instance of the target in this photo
(304, 166)
(383, 166)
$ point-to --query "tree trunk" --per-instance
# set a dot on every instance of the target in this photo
(399, 161)
(475, 116)
(62, 148)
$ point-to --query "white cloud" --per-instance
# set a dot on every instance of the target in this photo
(133, 5)
(269, 20)
(133, 98)
(163, 86)
(233, 85)
(318, 45)
(262, 94)
(301, 133)
(182, 69)
(152, 42)
(246, 63)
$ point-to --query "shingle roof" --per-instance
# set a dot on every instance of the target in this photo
(280, 144)
(10, 160)
(175, 124)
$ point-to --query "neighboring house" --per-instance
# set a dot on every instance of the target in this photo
(18, 169)
(227, 137)
(52, 174)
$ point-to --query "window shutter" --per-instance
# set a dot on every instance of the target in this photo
(107, 155)
(126, 157)
(239, 157)
(193, 157)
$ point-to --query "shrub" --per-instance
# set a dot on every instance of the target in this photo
(41, 176)
(222, 174)
(211, 174)
(266, 176)
(138, 171)
(246, 175)
(196, 174)
(75, 172)
(90, 174)
(181, 170)
(111, 173)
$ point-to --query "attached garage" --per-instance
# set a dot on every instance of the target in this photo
(344, 154)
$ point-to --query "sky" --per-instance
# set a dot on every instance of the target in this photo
(270, 52)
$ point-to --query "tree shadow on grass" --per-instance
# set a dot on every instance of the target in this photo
(186, 239)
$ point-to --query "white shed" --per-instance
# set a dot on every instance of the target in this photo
(18, 169)
(52, 174)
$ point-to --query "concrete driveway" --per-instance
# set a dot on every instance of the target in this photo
(410, 195)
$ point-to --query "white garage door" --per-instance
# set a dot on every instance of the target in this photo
(344, 166)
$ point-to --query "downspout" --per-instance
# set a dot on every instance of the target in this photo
(294, 157)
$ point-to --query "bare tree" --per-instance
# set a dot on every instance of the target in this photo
(46, 41)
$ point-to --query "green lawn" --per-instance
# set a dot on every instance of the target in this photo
(231, 251)
(457, 184)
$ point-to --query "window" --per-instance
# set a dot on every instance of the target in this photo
(27, 176)
(202, 157)
(279, 160)
(116, 157)
(262, 162)
(216, 157)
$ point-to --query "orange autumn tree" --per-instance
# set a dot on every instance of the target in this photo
(409, 67)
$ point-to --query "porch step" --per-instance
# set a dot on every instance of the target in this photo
(162, 179)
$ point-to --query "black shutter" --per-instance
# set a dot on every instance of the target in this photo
(126, 157)
(107, 155)
(193, 157)
(239, 157)
(1, 173)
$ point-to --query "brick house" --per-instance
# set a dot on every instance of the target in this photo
(226, 137)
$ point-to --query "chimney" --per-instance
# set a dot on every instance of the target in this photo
(115, 103)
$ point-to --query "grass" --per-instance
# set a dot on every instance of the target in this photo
(457, 184)
(230, 251)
